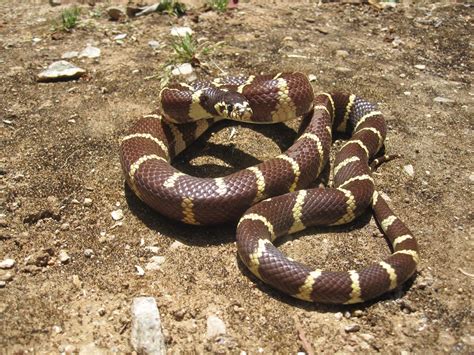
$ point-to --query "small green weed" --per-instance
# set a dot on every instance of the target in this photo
(186, 48)
(172, 7)
(70, 18)
(218, 5)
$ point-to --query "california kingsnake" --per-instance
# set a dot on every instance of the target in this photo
(146, 153)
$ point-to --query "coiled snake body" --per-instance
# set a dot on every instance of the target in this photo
(270, 198)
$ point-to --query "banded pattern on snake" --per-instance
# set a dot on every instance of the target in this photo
(287, 207)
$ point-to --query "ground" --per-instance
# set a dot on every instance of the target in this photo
(75, 274)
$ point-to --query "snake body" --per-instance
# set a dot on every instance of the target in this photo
(270, 198)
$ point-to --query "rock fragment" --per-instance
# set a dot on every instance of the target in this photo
(7, 263)
(183, 69)
(408, 169)
(352, 328)
(215, 326)
(64, 257)
(443, 100)
(117, 215)
(60, 70)
(90, 52)
(146, 333)
(155, 263)
(70, 55)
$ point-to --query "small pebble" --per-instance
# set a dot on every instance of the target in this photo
(409, 170)
(176, 244)
(101, 312)
(338, 315)
(343, 70)
(312, 77)
(87, 202)
(64, 257)
(88, 253)
(420, 66)
(342, 53)
(70, 55)
(353, 328)
(152, 249)
(140, 270)
(2, 284)
(183, 69)
(358, 313)
(443, 100)
(65, 226)
(154, 44)
(76, 281)
(57, 329)
(155, 263)
(215, 327)
(407, 93)
(117, 215)
(6, 276)
(120, 37)
(7, 263)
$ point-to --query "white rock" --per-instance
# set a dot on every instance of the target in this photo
(153, 249)
(7, 263)
(181, 31)
(64, 257)
(88, 253)
(146, 332)
(117, 215)
(154, 44)
(312, 77)
(342, 70)
(2, 284)
(87, 202)
(407, 93)
(409, 170)
(60, 70)
(120, 37)
(176, 244)
(155, 263)
(183, 69)
(443, 100)
(420, 66)
(215, 327)
(70, 55)
(342, 53)
(90, 52)
(140, 270)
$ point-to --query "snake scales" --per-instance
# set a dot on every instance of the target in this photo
(270, 198)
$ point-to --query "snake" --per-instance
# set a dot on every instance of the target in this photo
(274, 198)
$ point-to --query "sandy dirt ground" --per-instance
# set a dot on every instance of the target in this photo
(75, 273)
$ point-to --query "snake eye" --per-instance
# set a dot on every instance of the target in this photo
(230, 108)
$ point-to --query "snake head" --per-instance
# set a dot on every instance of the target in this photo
(234, 106)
